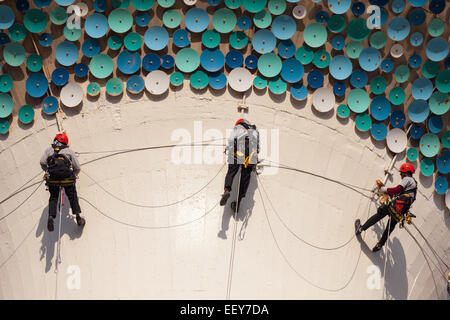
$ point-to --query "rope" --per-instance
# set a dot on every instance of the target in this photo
(23, 202)
(20, 189)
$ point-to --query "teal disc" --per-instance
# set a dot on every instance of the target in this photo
(101, 66)
(277, 7)
(343, 111)
(315, 35)
(93, 89)
(233, 4)
(446, 139)
(199, 80)
(269, 65)
(378, 85)
(58, 15)
(430, 69)
(6, 83)
(26, 114)
(114, 87)
(358, 100)
(211, 39)
(114, 42)
(443, 81)
(14, 54)
(172, 19)
(187, 60)
(17, 32)
(378, 40)
(262, 19)
(402, 74)
(354, 49)
(260, 82)
(176, 79)
(34, 62)
(436, 27)
(143, 5)
(72, 34)
(4, 126)
(133, 41)
(336, 23)
(363, 122)
(35, 20)
(439, 103)
(357, 29)
(412, 154)
(6, 105)
(238, 40)
(224, 20)
(277, 85)
(429, 145)
(304, 54)
(124, 4)
(120, 20)
(166, 3)
(321, 59)
(397, 96)
(254, 6)
(427, 167)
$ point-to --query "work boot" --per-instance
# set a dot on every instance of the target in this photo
(80, 221)
(358, 227)
(225, 197)
(377, 247)
(233, 206)
(50, 224)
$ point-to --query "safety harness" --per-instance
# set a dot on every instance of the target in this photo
(59, 169)
(245, 156)
(400, 204)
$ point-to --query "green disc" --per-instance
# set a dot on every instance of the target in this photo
(72, 34)
(430, 69)
(4, 126)
(114, 42)
(436, 27)
(315, 35)
(211, 39)
(224, 20)
(353, 49)
(120, 20)
(427, 167)
(187, 60)
(233, 4)
(254, 6)
(269, 64)
(121, 3)
(58, 15)
(277, 7)
(35, 20)
(260, 82)
(199, 80)
(14, 54)
(17, 32)
(93, 89)
(172, 18)
(133, 41)
(304, 54)
(26, 114)
(166, 3)
(6, 105)
(439, 103)
(378, 85)
(343, 111)
(363, 122)
(34, 62)
(357, 29)
(443, 81)
(402, 74)
(397, 96)
(238, 40)
(378, 40)
(176, 79)
(429, 145)
(101, 66)
(143, 5)
(114, 87)
(262, 19)
(321, 59)
(6, 83)
(358, 100)
(446, 139)
(412, 154)
(277, 85)
(336, 23)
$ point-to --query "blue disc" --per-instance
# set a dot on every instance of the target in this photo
(418, 111)
(437, 49)
(66, 53)
(299, 91)
(415, 61)
(358, 8)
(4, 38)
(284, 27)
(181, 38)
(244, 23)
(292, 70)
(398, 119)
(36, 85)
(42, 3)
(435, 124)
(60, 76)
(443, 162)
(315, 79)
(217, 80)
(447, 63)
(387, 65)
(358, 79)
(45, 40)
(378, 131)
(339, 89)
(251, 62)
(417, 17)
(380, 3)
(338, 42)
(100, 5)
(339, 6)
(142, 19)
(340, 67)
(64, 3)
(441, 185)
(151, 62)
(416, 131)
(96, 25)
(380, 108)
(422, 88)
(286, 49)
(135, 84)
(167, 61)
(398, 6)
(417, 3)
(234, 59)
(212, 60)
(90, 48)
(6, 17)
(22, 5)
(156, 38)
(398, 28)
(436, 6)
(322, 17)
(264, 41)
(214, 2)
(50, 105)
(370, 59)
(416, 39)
(128, 62)
(81, 70)
(196, 20)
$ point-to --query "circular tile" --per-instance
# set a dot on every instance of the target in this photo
(34, 62)
(441, 185)
(217, 80)
(380, 108)
(323, 100)
(430, 69)
(397, 96)
(240, 79)
(157, 82)
(212, 60)
(358, 78)
(402, 74)
(167, 61)
(181, 38)
(422, 88)
(435, 124)
(234, 59)
(398, 6)
(286, 49)
(58, 15)
(114, 87)
(71, 95)
(66, 53)
(96, 25)
(321, 59)
(224, 20)
(378, 40)
(299, 91)
(443, 162)
(176, 79)
(4, 126)
(100, 5)
(72, 34)
(339, 89)
(120, 20)
(416, 39)
(6, 17)
(436, 28)
(6, 105)
(416, 131)
(418, 111)
(233, 4)
(14, 54)
(26, 114)
(81, 70)
(357, 29)
(264, 41)
(17, 32)
(187, 60)
(370, 59)
(439, 103)
(244, 23)
(336, 23)
(6, 83)
(254, 6)
(398, 119)
(358, 8)
(363, 122)
(412, 154)
(114, 43)
(340, 67)
(277, 85)
(354, 49)
(238, 40)
(378, 85)
(151, 62)
(101, 66)
(172, 19)
(427, 167)
(315, 35)
(396, 140)
(437, 49)
(133, 41)
(34, 20)
(358, 100)
(269, 65)
(284, 27)
(398, 28)
(379, 131)
(446, 139)
(36, 85)
(387, 65)
(262, 19)
(277, 7)
(196, 20)
(415, 61)
(128, 62)
(60, 76)
(142, 19)
(429, 145)
(90, 48)
(156, 38)
(315, 79)
(45, 40)
(299, 12)
(260, 82)
(143, 5)
(343, 111)
(50, 105)
(443, 81)
(292, 70)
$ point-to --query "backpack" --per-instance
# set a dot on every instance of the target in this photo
(246, 148)
(59, 166)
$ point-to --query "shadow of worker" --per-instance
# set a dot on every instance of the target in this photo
(49, 239)
(245, 208)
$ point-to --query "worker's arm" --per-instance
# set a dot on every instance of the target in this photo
(75, 164)
(392, 191)
(43, 161)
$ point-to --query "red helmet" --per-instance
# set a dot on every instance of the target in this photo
(62, 137)
(407, 167)
(239, 121)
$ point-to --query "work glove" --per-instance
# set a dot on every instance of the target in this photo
(383, 189)
(380, 184)
(45, 177)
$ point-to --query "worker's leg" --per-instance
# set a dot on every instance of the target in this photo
(232, 170)
(71, 192)
(246, 174)
(381, 213)
(390, 226)
(53, 201)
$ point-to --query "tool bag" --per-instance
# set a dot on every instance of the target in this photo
(59, 168)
